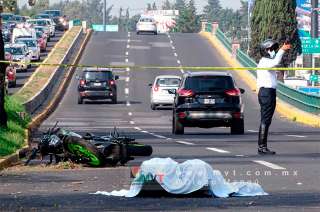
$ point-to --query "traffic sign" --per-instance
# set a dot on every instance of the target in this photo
(310, 45)
(314, 78)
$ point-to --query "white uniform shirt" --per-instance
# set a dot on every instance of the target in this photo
(268, 78)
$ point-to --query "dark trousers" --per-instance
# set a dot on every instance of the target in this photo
(267, 101)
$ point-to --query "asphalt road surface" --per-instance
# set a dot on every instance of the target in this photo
(22, 77)
(291, 177)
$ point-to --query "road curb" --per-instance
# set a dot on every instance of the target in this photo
(284, 109)
(36, 121)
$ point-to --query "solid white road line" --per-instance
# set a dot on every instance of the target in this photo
(297, 136)
(218, 150)
(254, 131)
(132, 122)
(184, 142)
(137, 128)
(270, 165)
(126, 91)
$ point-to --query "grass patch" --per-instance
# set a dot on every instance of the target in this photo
(42, 75)
(12, 138)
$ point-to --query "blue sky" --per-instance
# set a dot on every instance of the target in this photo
(137, 5)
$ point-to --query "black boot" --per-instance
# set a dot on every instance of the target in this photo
(262, 142)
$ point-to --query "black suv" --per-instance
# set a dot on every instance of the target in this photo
(97, 84)
(208, 99)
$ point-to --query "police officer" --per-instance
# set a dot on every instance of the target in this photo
(267, 83)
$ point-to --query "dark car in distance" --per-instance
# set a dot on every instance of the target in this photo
(208, 99)
(97, 84)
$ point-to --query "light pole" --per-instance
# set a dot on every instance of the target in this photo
(314, 29)
(104, 14)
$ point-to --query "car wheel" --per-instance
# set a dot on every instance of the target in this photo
(80, 100)
(177, 127)
(138, 32)
(153, 106)
(237, 127)
(155, 33)
(114, 100)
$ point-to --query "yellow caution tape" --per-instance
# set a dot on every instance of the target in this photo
(139, 67)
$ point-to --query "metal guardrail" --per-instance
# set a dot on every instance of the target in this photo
(304, 101)
(208, 27)
(224, 40)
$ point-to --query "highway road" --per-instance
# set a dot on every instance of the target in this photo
(22, 77)
(291, 177)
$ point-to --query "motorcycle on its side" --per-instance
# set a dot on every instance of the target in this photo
(90, 149)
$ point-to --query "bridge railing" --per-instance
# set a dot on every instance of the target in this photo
(304, 101)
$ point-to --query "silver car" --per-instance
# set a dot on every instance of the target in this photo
(33, 47)
(147, 24)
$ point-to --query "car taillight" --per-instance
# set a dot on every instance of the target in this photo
(182, 115)
(112, 82)
(185, 93)
(82, 82)
(237, 115)
(10, 74)
(155, 88)
(233, 92)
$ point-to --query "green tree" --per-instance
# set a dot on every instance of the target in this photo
(188, 20)
(180, 5)
(154, 6)
(212, 10)
(276, 20)
(167, 5)
(10, 6)
(149, 7)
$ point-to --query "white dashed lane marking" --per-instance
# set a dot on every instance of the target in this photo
(297, 136)
(128, 104)
(178, 61)
(137, 128)
(175, 54)
(185, 142)
(127, 79)
(254, 131)
(270, 165)
(218, 150)
(132, 122)
(130, 114)
(126, 91)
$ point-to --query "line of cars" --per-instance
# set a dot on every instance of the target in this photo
(26, 38)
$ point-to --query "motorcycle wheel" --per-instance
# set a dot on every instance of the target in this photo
(139, 150)
(85, 152)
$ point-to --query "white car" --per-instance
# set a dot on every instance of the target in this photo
(44, 22)
(146, 24)
(19, 53)
(160, 95)
(33, 47)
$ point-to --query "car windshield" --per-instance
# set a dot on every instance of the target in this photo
(146, 20)
(14, 51)
(97, 75)
(168, 82)
(43, 16)
(39, 34)
(39, 22)
(29, 43)
(6, 17)
(208, 83)
(54, 13)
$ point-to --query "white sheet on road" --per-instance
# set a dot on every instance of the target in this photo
(185, 178)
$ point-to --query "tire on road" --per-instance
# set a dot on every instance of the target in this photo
(83, 151)
(80, 100)
(177, 127)
(153, 106)
(139, 150)
(237, 127)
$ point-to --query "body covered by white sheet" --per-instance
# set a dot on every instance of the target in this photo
(185, 178)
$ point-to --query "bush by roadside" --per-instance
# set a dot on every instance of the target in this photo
(13, 137)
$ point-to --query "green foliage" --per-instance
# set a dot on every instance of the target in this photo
(188, 20)
(12, 137)
(213, 10)
(167, 5)
(10, 6)
(276, 20)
